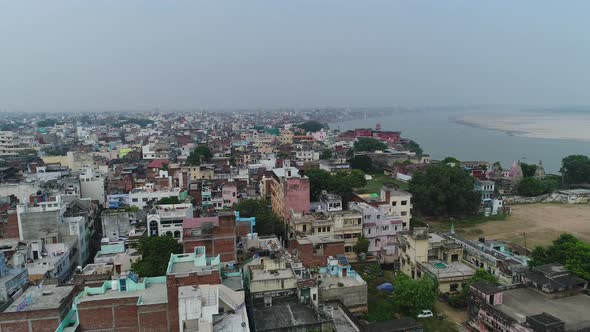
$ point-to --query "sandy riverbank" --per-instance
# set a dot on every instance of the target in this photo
(537, 125)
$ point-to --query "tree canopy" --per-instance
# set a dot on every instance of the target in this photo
(361, 246)
(575, 169)
(534, 187)
(459, 300)
(168, 200)
(528, 170)
(199, 153)
(443, 190)
(411, 296)
(342, 183)
(568, 250)
(369, 144)
(362, 162)
(451, 160)
(326, 154)
(412, 146)
(311, 126)
(267, 222)
(155, 253)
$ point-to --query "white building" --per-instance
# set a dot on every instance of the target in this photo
(399, 203)
(11, 143)
(140, 197)
(167, 219)
(153, 151)
(92, 185)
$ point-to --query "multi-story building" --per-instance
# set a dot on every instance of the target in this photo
(11, 279)
(289, 191)
(191, 297)
(167, 219)
(348, 225)
(330, 202)
(155, 151)
(485, 188)
(399, 203)
(92, 185)
(12, 143)
(380, 229)
(142, 197)
(425, 254)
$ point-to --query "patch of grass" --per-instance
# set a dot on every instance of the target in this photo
(380, 304)
(438, 325)
(379, 179)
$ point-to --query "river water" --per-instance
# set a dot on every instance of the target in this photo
(440, 137)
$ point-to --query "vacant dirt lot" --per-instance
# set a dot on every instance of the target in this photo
(542, 223)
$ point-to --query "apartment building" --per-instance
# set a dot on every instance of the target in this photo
(167, 219)
(289, 191)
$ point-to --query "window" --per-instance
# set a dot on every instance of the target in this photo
(134, 200)
(404, 213)
(394, 203)
(305, 228)
(404, 202)
(145, 199)
(454, 287)
(328, 228)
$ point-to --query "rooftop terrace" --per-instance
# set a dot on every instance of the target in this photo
(46, 297)
(196, 261)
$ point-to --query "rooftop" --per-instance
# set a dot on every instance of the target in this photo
(46, 297)
(260, 274)
(196, 261)
(521, 302)
(444, 270)
(155, 291)
(285, 312)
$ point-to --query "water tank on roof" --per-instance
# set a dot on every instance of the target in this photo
(114, 285)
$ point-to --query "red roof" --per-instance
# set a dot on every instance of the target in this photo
(157, 163)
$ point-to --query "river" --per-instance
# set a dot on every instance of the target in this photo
(440, 137)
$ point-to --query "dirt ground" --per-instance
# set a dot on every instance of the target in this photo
(451, 314)
(542, 223)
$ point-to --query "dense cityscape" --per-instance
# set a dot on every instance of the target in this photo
(273, 221)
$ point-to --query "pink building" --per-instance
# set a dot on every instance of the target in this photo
(319, 135)
(230, 194)
(289, 191)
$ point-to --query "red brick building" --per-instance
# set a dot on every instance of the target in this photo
(313, 250)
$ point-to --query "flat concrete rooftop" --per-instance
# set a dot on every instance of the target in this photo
(572, 310)
(329, 281)
(283, 313)
(153, 293)
(260, 274)
(444, 270)
(53, 300)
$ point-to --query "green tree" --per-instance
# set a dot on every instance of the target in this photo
(362, 162)
(155, 253)
(342, 183)
(411, 296)
(568, 250)
(459, 300)
(201, 152)
(361, 246)
(369, 144)
(326, 154)
(311, 126)
(451, 160)
(47, 123)
(168, 200)
(531, 187)
(267, 222)
(528, 170)
(575, 169)
(442, 190)
(412, 146)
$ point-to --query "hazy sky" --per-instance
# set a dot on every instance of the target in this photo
(124, 54)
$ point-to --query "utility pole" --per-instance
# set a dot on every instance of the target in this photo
(526, 251)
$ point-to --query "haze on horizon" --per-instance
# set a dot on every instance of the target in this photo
(115, 55)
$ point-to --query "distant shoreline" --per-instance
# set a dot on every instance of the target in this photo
(532, 125)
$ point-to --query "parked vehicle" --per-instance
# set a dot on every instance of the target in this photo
(426, 314)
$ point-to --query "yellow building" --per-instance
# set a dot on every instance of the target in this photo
(425, 254)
